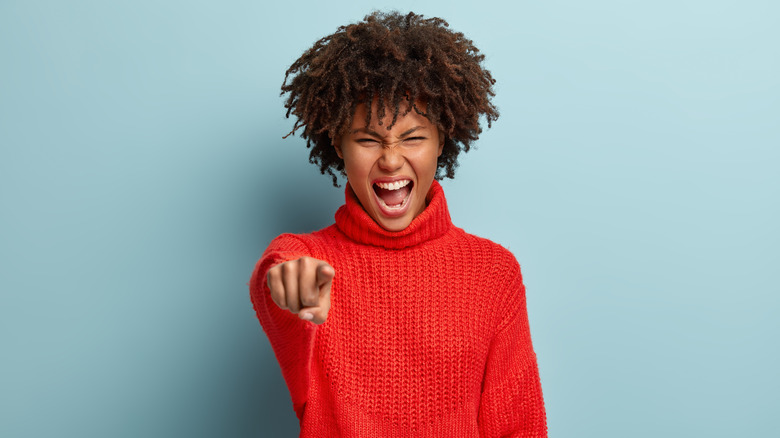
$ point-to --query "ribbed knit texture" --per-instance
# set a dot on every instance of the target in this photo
(427, 334)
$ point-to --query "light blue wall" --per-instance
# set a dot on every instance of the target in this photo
(633, 172)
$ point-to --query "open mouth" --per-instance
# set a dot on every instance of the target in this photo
(393, 196)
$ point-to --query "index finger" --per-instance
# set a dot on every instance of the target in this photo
(325, 274)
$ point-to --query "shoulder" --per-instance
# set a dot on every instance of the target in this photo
(499, 274)
(308, 244)
(497, 262)
(288, 242)
(508, 282)
(486, 251)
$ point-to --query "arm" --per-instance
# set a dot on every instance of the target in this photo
(291, 338)
(512, 403)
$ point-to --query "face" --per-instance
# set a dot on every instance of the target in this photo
(391, 171)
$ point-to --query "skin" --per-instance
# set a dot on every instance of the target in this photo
(302, 286)
(371, 154)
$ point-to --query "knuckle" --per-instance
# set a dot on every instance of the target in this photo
(278, 299)
(306, 263)
(293, 305)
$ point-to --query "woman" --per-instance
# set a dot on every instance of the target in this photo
(392, 321)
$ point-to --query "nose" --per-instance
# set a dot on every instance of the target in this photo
(391, 159)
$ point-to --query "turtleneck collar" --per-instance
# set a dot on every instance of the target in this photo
(433, 222)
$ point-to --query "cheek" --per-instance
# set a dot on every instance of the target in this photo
(428, 161)
(357, 164)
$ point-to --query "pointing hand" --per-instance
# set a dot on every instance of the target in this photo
(302, 286)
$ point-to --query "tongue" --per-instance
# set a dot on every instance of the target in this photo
(392, 197)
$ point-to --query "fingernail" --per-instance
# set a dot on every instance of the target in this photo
(307, 316)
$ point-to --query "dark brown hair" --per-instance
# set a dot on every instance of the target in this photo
(399, 60)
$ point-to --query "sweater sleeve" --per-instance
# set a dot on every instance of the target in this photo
(291, 338)
(511, 404)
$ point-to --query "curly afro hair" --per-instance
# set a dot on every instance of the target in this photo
(399, 60)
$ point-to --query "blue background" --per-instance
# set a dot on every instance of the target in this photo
(633, 172)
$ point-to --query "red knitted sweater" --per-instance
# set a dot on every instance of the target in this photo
(427, 335)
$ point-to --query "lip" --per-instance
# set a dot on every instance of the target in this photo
(380, 205)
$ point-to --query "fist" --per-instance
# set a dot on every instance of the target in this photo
(302, 286)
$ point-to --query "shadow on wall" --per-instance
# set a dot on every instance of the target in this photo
(287, 195)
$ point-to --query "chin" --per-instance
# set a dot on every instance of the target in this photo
(396, 224)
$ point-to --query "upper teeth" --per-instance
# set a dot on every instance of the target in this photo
(395, 185)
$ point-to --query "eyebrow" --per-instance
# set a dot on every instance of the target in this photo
(376, 134)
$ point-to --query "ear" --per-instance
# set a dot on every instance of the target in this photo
(441, 143)
(337, 146)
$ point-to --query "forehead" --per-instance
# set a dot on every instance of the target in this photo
(402, 120)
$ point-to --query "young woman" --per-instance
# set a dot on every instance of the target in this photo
(392, 321)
